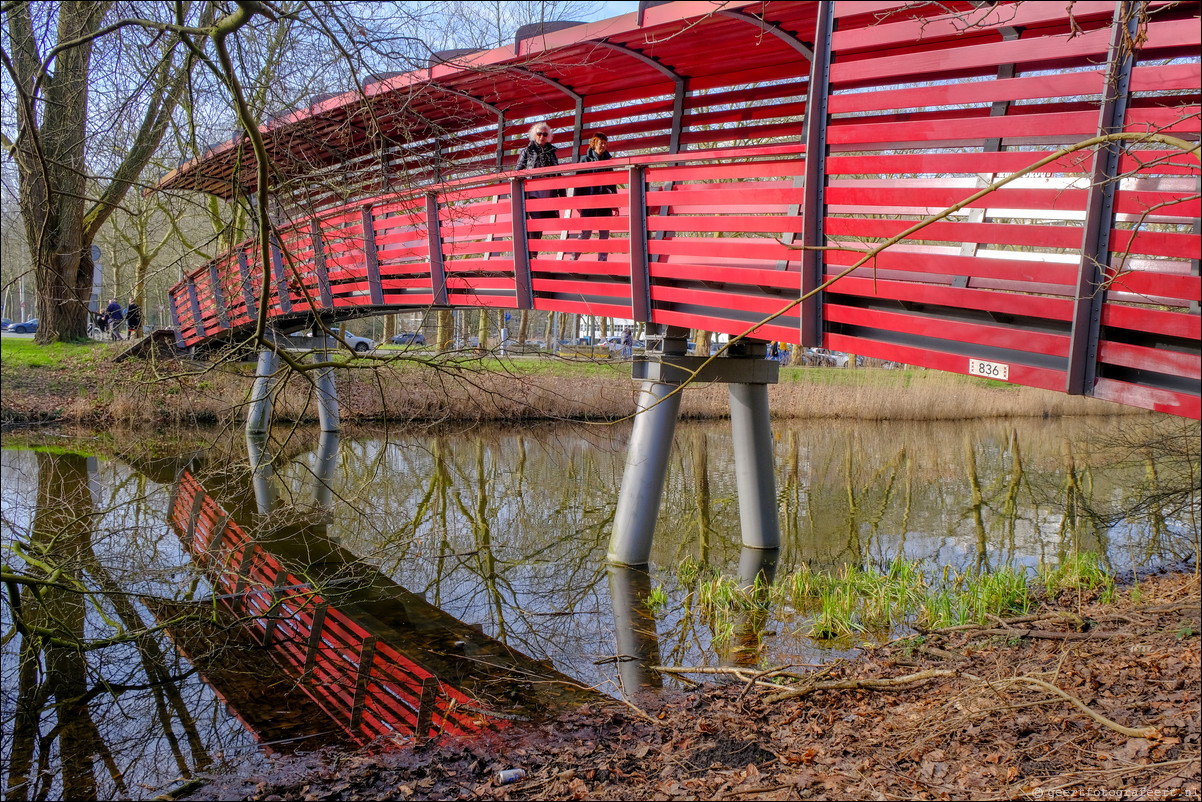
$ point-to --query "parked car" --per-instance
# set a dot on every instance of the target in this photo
(409, 338)
(28, 327)
(4, 323)
(360, 344)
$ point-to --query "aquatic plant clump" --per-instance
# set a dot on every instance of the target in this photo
(869, 600)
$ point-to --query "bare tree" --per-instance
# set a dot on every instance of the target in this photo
(74, 72)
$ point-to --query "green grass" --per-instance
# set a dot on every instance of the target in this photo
(855, 600)
(27, 354)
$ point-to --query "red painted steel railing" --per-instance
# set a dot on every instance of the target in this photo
(366, 685)
(1003, 286)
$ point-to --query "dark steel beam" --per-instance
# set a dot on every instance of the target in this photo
(217, 534)
(274, 614)
(371, 258)
(679, 81)
(319, 265)
(1094, 271)
(500, 141)
(223, 318)
(640, 275)
(522, 278)
(315, 638)
(248, 295)
(813, 198)
(425, 708)
(179, 336)
(281, 278)
(992, 145)
(494, 109)
(438, 275)
(194, 516)
(365, 664)
(200, 326)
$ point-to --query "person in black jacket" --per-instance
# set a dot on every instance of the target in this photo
(598, 151)
(133, 319)
(539, 153)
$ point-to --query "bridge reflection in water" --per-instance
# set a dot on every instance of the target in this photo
(377, 659)
(1007, 191)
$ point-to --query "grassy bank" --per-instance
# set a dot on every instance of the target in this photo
(83, 384)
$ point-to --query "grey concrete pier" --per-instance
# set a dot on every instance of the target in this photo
(663, 371)
(258, 413)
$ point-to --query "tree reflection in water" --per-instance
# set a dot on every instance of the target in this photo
(506, 531)
(87, 650)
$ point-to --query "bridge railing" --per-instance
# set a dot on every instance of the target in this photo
(1080, 277)
(455, 244)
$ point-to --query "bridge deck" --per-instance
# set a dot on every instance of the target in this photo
(1082, 276)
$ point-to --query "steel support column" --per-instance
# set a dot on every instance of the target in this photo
(663, 371)
(327, 393)
(644, 474)
(323, 473)
(634, 629)
(755, 469)
(258, 413)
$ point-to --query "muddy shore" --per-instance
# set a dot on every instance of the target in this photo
(1084, 700)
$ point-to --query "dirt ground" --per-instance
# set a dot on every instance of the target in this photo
(1082, 700)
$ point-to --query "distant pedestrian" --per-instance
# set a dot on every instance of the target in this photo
(133, 319)
(115, 316)
(102, 325)
(627, 344)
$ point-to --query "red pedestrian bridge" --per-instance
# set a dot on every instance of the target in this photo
(811, 172)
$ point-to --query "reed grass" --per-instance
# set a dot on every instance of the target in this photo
(855, 601)
(1080, 571)
(81, 384)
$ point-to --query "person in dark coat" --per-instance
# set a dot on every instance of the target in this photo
(598, 151)
(133, 319)
(115, 315)
(539, 153)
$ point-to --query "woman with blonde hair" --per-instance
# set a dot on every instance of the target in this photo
(539, 153)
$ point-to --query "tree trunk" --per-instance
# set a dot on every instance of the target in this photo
(445, 331)
(523, 323)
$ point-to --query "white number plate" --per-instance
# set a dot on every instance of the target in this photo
(990, 370)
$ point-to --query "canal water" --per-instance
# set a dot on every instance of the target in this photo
(313, 589)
